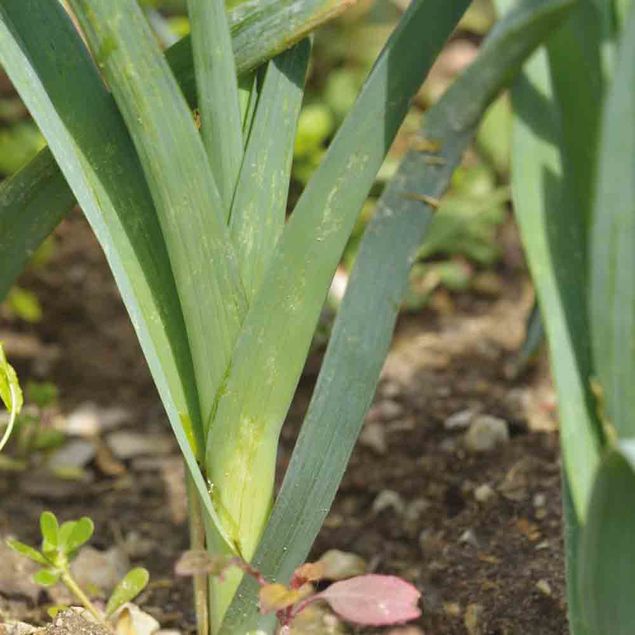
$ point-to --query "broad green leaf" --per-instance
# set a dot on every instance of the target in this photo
(606, 558)
(554, 235)
(379, 279)
(260, 203)
(77, 115)
(256, 36)
(46, 577)
(217, 89)
(10, 395)
(612, 296)
(183, 188)
(50, 530)
(26, 551)
(32, 202)
(277, 332)
(127, 590)
(74, 534)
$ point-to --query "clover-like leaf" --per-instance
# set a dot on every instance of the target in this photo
(373, 600)
(130, 586)
(50, 531)
(73, 534)
(47, 577)
(27, 551)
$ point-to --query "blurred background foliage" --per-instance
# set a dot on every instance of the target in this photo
(462, 247)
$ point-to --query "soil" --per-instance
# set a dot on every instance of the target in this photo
(488, 560)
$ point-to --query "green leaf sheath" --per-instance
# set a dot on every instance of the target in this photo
(88, 138)
(259, 209)
(183, 188)
(273, 345)
(358, 345)
(572, 537)
(553, 233)
(575, 61)
(32, 202)
(606, 559)
(217, 90)
(257, 35)
(612, 296)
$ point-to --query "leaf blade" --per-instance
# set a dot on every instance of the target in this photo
(32, 203)
(280, 323)
(256, 36)
(612, 292)
(127, 590)
(217, 89)
(259, 207)
(187, 201)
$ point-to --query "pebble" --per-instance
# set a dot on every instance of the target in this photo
(389, 499)
(486, 433)
(101, 569)
(88, 420)
(484, 493)
(386, 410)
(390, 389)
(340, 565)
(544, 587)
(453, 609)
(76, 453)
(373, 436)
(131, 619)
(459, 420)
(16, 573)
(128, 445)
(17, 628)
(468, 537)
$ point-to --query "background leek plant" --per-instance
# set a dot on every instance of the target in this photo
(224, 292)
(573, 179)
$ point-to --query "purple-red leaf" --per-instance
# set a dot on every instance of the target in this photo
(373, 600)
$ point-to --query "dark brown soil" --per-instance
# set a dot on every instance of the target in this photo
(488, 568)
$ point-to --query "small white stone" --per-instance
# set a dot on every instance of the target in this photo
(373, 436)
(544, 587)
(486, 433)
(388, 499)
(484, 493)
(459, 420)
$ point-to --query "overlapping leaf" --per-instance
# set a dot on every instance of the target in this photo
(257, 35)
(272, 347)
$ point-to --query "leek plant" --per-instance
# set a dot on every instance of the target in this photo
(224, 292)
(573, 181)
